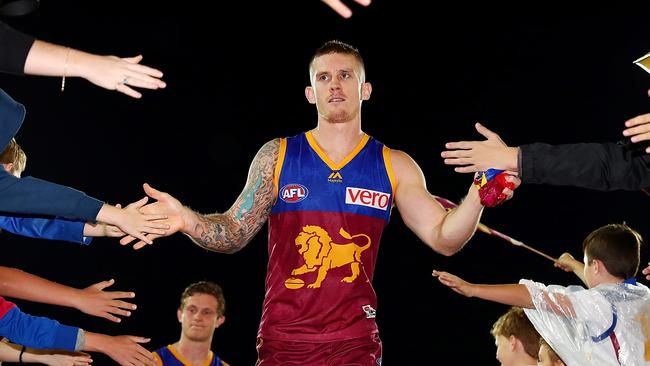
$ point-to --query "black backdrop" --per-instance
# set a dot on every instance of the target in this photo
(235, 75)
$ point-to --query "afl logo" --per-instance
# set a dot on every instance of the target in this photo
(292, 193)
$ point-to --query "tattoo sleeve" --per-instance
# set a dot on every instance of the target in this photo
(232, 230)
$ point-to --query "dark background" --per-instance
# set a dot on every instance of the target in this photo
(537, 71)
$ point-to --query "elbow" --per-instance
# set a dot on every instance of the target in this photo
(446, 250)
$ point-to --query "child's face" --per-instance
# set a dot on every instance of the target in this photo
(544, 357)
(505, 353)
(588, 271)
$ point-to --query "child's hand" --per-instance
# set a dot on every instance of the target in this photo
(646, 272)
(93, 300)
(454, 282)
(565, 262)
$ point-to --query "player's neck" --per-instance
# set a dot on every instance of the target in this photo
(192, 351)
(337, 140)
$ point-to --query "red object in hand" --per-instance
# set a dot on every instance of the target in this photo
(490, 187)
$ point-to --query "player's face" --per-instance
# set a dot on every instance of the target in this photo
(199, 317)
(337, 87)
(544, 357)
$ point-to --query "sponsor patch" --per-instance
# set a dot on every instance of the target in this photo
(367, 197)
(292, 193)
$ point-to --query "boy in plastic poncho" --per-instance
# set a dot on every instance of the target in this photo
(604, 325)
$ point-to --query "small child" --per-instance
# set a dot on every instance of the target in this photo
(546, 355)
(516, 339)
(602, 325)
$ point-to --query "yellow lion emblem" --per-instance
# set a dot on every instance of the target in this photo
(320, 253)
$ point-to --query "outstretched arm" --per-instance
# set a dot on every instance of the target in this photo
(512, 294)
(92, 300)
(509, 294)
(230, 231)
(108, 72)
(444, 231)
(11, 353)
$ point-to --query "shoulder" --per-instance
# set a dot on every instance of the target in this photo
(404, 167)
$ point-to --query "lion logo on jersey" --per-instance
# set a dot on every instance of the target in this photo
(320, 253)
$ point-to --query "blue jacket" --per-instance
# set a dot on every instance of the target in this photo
(46, 228)
(34, 331)
(34, 196)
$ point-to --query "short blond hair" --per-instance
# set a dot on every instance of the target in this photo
(515, 323)
(14, 154)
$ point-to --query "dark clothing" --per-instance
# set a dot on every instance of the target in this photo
(600, 166)
(38, 197)
(14, 47)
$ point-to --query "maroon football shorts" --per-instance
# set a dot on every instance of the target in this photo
(364, 351)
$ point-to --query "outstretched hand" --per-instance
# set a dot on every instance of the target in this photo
(646, 272)
(138, 224)
(105, 304)
(121, 74)
(475, 156)
(638, 129)
(62, 358)
(165, 205)
(454, 282)
(341, 8)
(126, 350)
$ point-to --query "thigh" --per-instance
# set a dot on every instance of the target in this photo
(364, 351)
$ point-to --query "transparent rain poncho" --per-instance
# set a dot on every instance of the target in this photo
(587, 327)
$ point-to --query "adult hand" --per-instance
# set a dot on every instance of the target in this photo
(478, 156)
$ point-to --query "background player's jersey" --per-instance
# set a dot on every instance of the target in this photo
(324, 232)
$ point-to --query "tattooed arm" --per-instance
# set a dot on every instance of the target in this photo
(225, 232)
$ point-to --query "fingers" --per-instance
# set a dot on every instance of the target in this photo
(467, 169)
(142, 237)
(124, 89)
(638, 120)
(460, 145)
(152, 192)
(138, 339)
(516, 181)
(120, 304)
(104, 284)
(133, 60)
(485, 132)
(138, 204)
(126, 240)
(142, 243)
(647, 269)
(148, 73)
(152, 218)
(339, 7)
(122, 295)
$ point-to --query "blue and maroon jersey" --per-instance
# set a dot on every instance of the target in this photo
(168, 356)
(324, 232)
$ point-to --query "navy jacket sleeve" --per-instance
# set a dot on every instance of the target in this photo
(14, 48)
(33, 331)
(45, 228)
(33, 196)
(603, 167)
